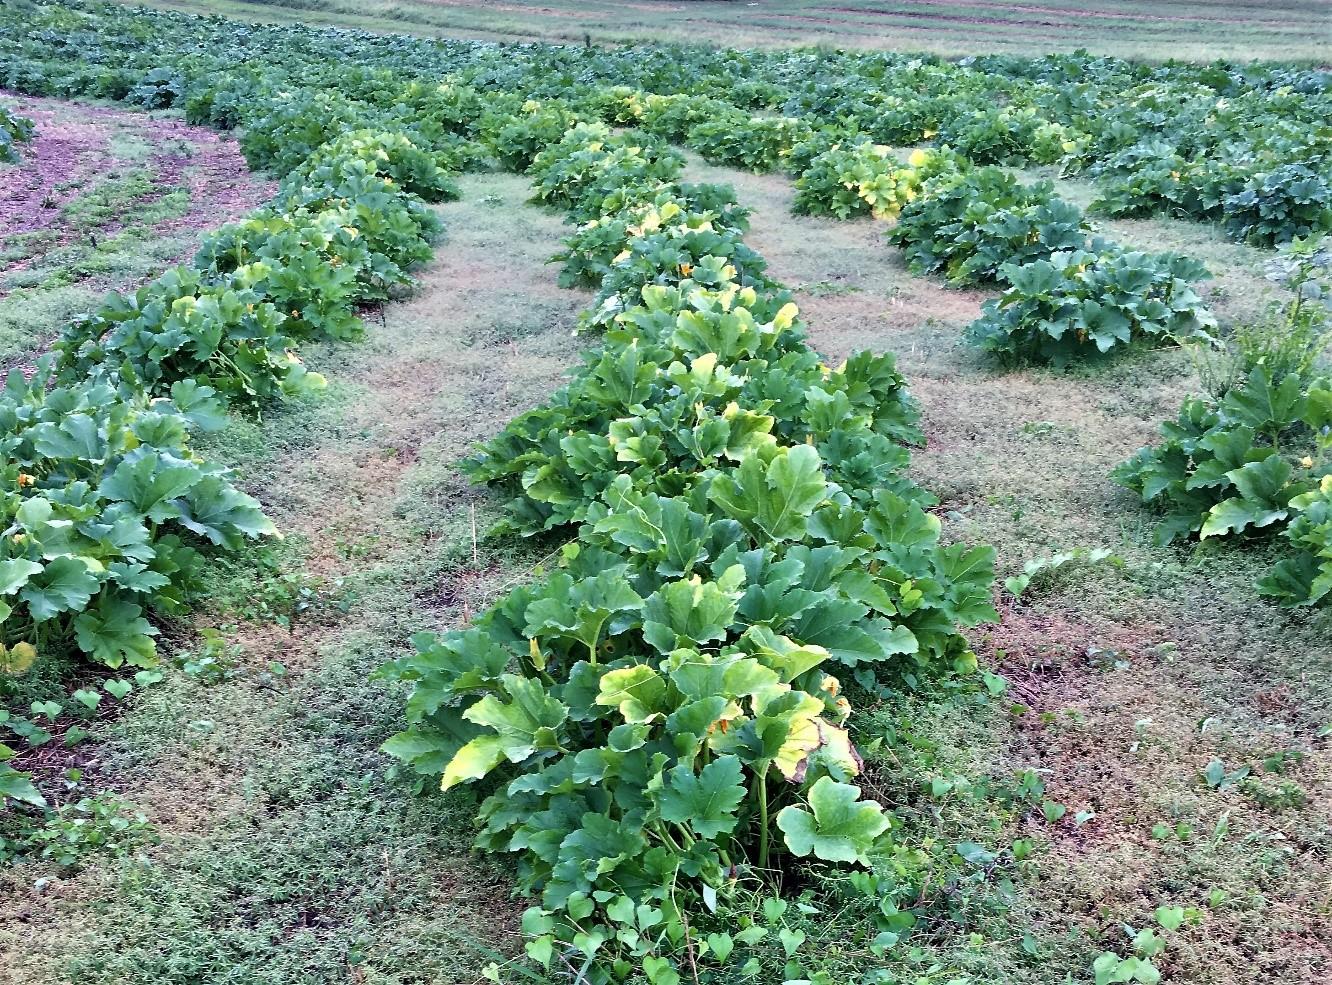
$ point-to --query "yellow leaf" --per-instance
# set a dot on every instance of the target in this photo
(18, 658)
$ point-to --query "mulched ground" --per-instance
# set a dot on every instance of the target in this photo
(75, 144)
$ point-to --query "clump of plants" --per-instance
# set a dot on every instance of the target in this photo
(1086, 302)
(1252, 459)
(967, 224)
(105, 505)
(14, 130)
(856, 179)
(756, 143)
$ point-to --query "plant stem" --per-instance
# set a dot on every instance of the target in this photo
(761, 785)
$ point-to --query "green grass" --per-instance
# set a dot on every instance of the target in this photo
(116, 218)
(54, 282)
(1148, 29)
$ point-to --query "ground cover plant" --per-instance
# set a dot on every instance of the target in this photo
(14, 131)
(675, 721)
(1251, 460)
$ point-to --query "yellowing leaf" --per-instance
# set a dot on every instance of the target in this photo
(473, 761)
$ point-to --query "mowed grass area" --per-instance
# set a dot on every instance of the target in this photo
(1148, 29)
(104, 199)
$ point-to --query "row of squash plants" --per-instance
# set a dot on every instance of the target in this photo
(1246, 145)
(108, 511)
(667, 710)
(1248, 462)
(1066, 292)
(664, 716)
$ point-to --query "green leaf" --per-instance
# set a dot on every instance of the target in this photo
(779, 654)
(721, 946)
(791, 940)
(17, 786)
(636, 691)
(114, 632)
(65, 584)
(74, 437)
(706, 801)
(773, 499)
(841, 828)
(118, 689)
(692, 612)
(1170, 917)
(1235, 515)
(659, 971)
(215, 509)
(527, 723)
(15, 573)
(600, 844)
(580, 610)
(149, 481)
(427, 751)
(1262, 406)
(89, 699)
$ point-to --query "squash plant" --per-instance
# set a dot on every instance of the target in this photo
(396, 225)
(389, 154)
(692, 378)
(589, 252)
(1306, 578)
(226, 335)
(308, 264)
(589, 164)
(857, 179)
(752, 143)
(1083, 302)
(1277, 206)
(281, 133)
(967, 224)
(105, 509)
(663, 713)
(1227, 468)
(669, 245)
(14, 130)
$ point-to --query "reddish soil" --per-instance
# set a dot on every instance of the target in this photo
(74, 145)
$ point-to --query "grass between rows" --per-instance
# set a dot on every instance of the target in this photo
(114, 220)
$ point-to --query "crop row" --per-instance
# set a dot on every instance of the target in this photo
(662, 710)
(663, 720)
(108, 511)
(665, 711)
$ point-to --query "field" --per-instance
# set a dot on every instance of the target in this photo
(1151, 29)
(664, 515)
